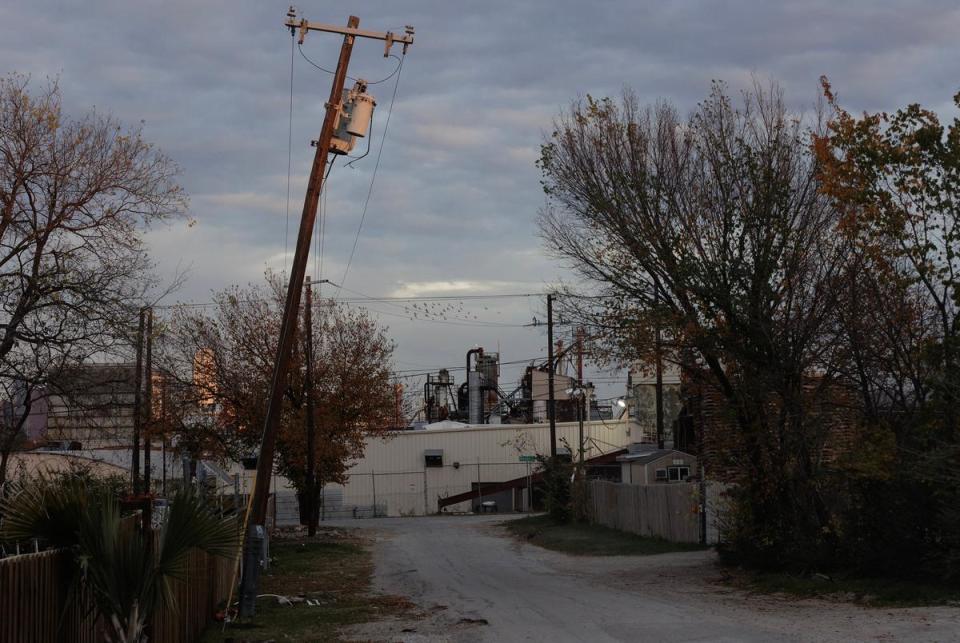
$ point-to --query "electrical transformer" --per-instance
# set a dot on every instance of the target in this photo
(353, 122)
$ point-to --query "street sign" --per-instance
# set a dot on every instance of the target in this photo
(528, 458)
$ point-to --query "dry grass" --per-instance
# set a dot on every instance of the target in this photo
(328, 580)
(869, 592)
(584, 539)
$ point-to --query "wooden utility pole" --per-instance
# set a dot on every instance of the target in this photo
(261, 488)
(581, 411)
(551, 400)
(311, 420)
(397, 402)
(580, 337)
(164, 401)
(148, 404)
(137, 408)
(659, 367)
(291, 307)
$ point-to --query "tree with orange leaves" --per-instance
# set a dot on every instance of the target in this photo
(353, 396)
(896, 179)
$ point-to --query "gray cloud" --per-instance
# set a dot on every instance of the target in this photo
(457, 192)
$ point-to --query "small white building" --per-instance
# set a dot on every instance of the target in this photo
(645, 464)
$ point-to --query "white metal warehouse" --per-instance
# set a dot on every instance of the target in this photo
(407, 472)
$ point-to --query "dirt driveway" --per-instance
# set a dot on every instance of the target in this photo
(477, 584)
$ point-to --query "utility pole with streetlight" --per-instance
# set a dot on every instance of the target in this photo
(658, 349)
(311, 473)
(335, 111)
(148, 406)
(311, 420)
(583, 393)
(137, 405)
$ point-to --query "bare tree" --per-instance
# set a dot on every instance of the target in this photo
(75, 196)
(712, 227)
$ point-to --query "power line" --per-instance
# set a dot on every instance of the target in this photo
(413, 316)
(329, 71)
(372, 299)
(321, 227)
(323, 233)
(392, 74)
(364, 303)
(286, 227)
(373, 178)
(434, 369)
(393, 298)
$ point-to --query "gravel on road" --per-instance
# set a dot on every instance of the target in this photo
(474, 583)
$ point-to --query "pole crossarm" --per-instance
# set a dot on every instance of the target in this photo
(304, 26)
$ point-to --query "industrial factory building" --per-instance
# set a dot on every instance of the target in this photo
(480, 399)
(475, 445)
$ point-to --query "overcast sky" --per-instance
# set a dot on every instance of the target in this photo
(454, 203)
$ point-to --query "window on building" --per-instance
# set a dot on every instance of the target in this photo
(433, 458)
(677, 473)
(661, 475)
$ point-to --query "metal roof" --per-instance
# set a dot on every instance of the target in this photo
(646, 457)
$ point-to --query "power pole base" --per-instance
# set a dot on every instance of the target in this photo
(254, 553)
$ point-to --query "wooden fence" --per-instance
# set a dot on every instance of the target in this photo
(33, 599)
(197, 599)
(669, 511)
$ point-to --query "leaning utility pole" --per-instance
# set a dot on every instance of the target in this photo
(551, 401)
(137, 408)
(311, 420)
(260, 496)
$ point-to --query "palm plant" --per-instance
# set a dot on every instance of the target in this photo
(127, 573)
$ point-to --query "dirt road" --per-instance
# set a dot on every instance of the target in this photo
(477, 584)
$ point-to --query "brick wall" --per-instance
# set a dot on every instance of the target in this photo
(831, 406)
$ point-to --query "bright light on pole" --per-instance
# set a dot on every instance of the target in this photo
(582, 393)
